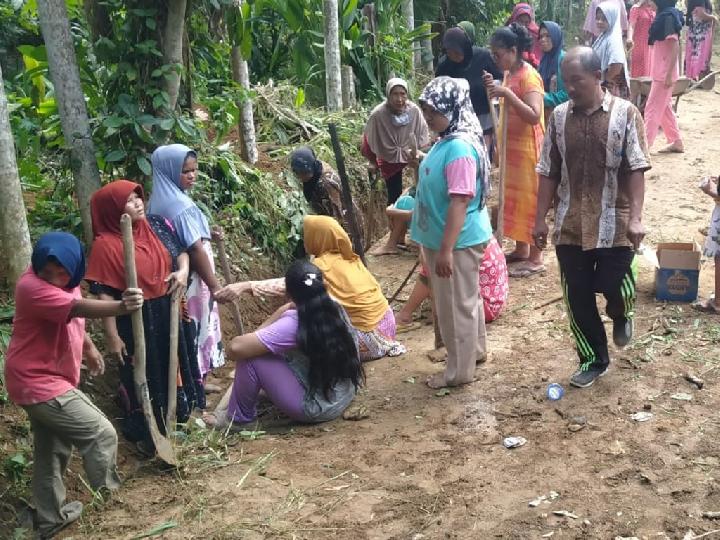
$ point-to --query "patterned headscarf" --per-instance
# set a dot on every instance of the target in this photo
(451, 97)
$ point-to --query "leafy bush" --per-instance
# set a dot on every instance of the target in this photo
(15, 468)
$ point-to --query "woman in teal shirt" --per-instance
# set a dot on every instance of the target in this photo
(551, 41)
(452, 225)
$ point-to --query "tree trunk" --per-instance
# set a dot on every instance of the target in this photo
(248, 146)
(348, 87)
(409, 16)
(427, 55)
(172, 48)
(64, 73)
(98, 19)
(187, 62)
(14, 235)
(333, 76)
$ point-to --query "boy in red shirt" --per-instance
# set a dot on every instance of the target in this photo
(42, 372)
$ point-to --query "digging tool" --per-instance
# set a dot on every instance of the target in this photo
(414, 154)
(416, 175)
(162, 445)
(372, 182)
(347, 194)
(439, 344)
(225, 265)
(173, 363)
(239, 327)
(493, 114)
(402, 285)
(502, 165)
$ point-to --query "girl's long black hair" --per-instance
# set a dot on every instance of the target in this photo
(323, 335)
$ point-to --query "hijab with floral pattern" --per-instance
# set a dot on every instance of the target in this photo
(451, 98)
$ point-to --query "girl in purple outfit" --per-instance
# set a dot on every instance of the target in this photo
(304, 357)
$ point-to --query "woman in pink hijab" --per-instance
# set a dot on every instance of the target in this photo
(524, 14)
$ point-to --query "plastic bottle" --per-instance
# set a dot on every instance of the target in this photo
(555, 392)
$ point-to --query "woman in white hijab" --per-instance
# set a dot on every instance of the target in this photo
(610, 47)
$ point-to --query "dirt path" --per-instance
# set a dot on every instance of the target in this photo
(423, 466)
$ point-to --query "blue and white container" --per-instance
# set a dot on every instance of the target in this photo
(554, 392)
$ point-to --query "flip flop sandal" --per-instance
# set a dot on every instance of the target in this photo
(671, 150)
(385, 253)
(212, 388)
(512, 258)
(526, 272)
(401, 328)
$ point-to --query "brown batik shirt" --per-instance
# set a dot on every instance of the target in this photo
(326, 200)
(591, 158)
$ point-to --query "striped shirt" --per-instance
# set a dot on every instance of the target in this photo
(591, 157)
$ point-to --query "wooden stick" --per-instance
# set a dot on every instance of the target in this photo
(493, 114)
(549, 302)
(347, 194)
(402, 285)
(239, 327)
(502, 161)
(170, 418)
(225, 265)
(436, 327)
(372, 181)
(162, 446)
(414, 152)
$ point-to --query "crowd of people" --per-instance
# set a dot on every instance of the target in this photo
(563, 110)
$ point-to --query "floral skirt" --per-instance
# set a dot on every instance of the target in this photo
(380, 341)
(712, 242)
(203, 312)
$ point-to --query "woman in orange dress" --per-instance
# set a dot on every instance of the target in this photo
(523, 96)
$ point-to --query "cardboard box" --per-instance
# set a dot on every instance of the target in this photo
(677, 272)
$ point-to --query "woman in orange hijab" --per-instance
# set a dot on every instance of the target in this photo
(347, 280)
(162, 268)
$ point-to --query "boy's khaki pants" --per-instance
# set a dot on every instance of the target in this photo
(68, 420)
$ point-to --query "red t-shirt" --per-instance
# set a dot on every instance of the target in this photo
(45, 352)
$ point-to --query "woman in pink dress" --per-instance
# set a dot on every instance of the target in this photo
(641, 17)
(664, 39)
(698, 51)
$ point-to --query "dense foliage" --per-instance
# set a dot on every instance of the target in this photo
(118, 47)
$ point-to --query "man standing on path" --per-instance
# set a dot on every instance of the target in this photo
(593, 165)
